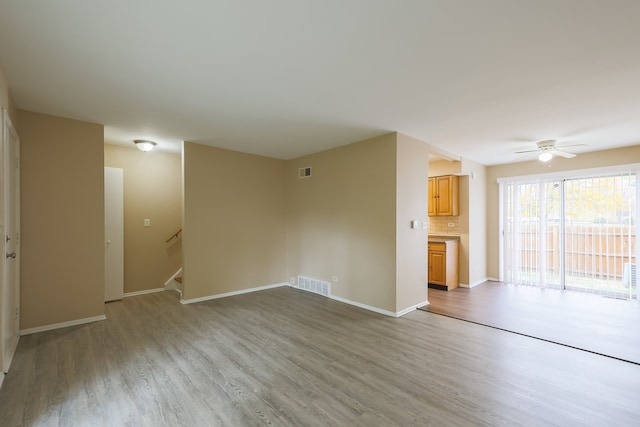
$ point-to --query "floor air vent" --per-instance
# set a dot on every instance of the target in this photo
(629, 275)
(313, 285)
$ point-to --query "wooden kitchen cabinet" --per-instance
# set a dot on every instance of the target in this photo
(443, 196)
(443, 265)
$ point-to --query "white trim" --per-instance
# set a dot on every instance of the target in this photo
(410, 309)
(501, 215)
(1, 379)
(144, 292)
(333, 297)
(365, 306)
(474, 284)
(493, 279)
(172, 278)
(230, 294)
(379, 310)
(62, 325)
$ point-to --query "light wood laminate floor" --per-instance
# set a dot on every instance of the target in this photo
(285, 357)
(590, 322)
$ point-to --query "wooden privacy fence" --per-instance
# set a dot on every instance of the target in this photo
(597, 250)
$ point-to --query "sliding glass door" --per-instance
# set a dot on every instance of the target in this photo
(575, 233)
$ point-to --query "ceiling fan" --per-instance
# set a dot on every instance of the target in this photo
(547, 149)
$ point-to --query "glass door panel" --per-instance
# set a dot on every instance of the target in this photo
(600, 236)
(532, 233)
(550, 224)
(575, 233)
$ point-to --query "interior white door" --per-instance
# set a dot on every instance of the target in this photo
(114, 234)
(11, 241)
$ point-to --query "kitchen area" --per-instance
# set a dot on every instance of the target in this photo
(444, 225)
(457, 224)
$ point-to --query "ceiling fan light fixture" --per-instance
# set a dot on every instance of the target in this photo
(545, 156)
(144, 145)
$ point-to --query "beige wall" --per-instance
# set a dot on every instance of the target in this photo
(234, 221)
(152, 190)
(62, 219)
(444, 167)
(473, 216)
(342, 220)
(411, 204)
(464, 231)
(346, 221)
(6, 101)
(620, 156)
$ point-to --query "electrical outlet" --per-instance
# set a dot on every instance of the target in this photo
(451, 224)
(334, 278)
(292, 280)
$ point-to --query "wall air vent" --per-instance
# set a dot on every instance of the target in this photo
(313, 285)
(304, 172)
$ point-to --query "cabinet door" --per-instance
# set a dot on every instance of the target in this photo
(437, 268)
(443, 206)
(431, 209)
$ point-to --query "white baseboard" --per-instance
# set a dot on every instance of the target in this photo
(172, 278)
(493, 279)
(379, 310)
(144, 292)
(230, 294)
(62, 325)
(365, 306)
(333, 297)
(474, 284)
(412, 308)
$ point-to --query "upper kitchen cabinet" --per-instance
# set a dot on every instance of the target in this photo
(443, 196)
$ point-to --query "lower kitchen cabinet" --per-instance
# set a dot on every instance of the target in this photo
(443, 265)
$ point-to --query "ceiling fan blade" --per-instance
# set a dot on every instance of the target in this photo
(572, 145)
(526, 151)
(563, 154)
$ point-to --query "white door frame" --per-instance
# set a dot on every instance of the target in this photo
(114, 233)
(10, 236)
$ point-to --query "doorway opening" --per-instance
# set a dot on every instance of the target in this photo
(573, 232)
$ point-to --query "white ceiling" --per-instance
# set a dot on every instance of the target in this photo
(283, 78)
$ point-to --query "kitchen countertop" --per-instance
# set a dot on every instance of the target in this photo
(443, 238)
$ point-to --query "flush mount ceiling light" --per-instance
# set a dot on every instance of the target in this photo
(144, 145)
(545, 156)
